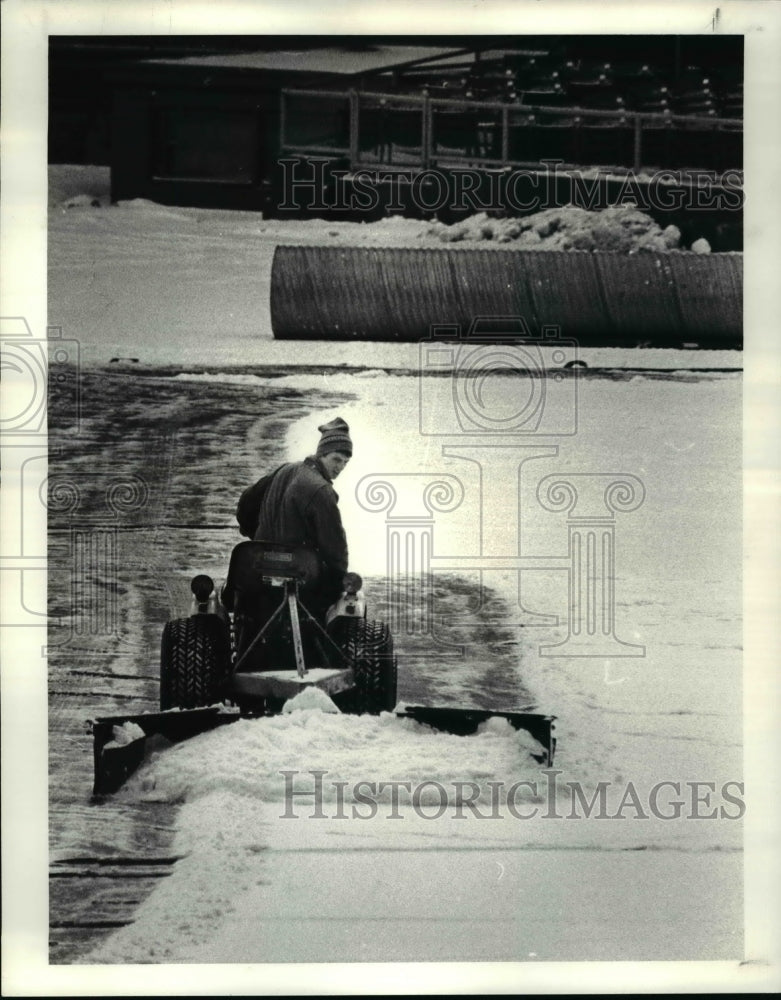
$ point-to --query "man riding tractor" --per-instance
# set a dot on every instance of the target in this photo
(288, 619)
(296, 507)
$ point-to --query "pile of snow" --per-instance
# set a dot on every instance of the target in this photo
(262, 798)
(78, 186)
(250, 757)
(246, 792)
(620, 228)
(310, 699)
(232, 378)
(124, 734)
(221, 838)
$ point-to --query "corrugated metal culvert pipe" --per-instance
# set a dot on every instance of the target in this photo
(398, 294)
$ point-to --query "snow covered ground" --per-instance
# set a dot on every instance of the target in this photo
(672, 715)
(195, 283)
(261, 878)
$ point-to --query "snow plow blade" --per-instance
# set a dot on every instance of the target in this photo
(464, 722)
(115, 763)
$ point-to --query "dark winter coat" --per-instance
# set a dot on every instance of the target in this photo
(297, 505)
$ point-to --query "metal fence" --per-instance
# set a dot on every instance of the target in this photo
(420, 132)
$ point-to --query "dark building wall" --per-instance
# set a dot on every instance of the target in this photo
(81, 68)
(189, 135)
(207, 133)
(183, 145)
(81, 71)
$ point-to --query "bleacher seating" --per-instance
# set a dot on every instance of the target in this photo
(579, 83)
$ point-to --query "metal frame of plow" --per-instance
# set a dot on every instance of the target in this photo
(465, 722)
(115, 764)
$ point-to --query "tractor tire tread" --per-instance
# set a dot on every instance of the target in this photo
(194, 662)
(370, 647)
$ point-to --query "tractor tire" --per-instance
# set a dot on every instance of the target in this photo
(194, 662)
(370, 648)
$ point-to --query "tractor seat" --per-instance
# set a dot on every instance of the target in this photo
(255, 566)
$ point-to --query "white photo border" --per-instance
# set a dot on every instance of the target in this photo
(26, 27)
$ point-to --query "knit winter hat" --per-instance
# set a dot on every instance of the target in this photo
(335, 437)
